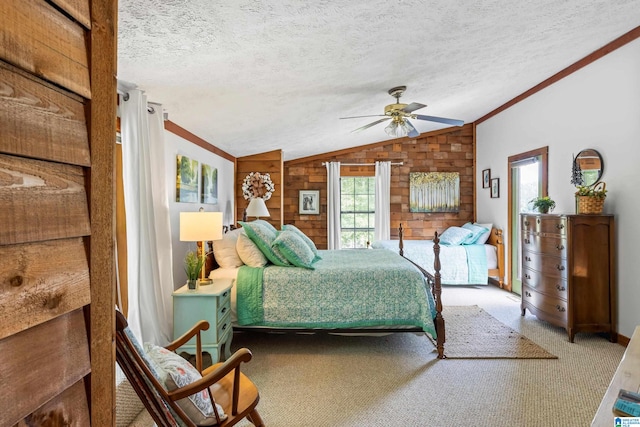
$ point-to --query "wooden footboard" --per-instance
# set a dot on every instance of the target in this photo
(435, 283)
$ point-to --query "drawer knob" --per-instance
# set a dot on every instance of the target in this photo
(224, 310)
(526, 276)
(559, 247)
(538, 220)
(527, 258)
(527, 241)
(225, 294)
(527, 293)
(559, 226)
(560, 267)
(224, 326)
(526, 223)
(560, 288)
(560, 309)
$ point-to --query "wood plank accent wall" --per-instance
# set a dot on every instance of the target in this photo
(57, 131)
(449, 150)
(271, 163)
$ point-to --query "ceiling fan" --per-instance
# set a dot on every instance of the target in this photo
(399, 114)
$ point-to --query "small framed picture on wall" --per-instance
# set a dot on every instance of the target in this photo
(309, 202)
(486, 177)
(495, 188)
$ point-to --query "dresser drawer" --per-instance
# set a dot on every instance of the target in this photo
(553, 307)
(544, 224)
(551, 245)
(553, 286)
(548, 265)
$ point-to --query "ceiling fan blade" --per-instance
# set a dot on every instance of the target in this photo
(453, 122)
(359, 117)
(412, 131)
(371, 124)
(413, 107)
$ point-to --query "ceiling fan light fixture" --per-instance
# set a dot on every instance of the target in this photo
(398, 127)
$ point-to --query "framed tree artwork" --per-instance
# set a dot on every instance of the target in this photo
(309, 202)
(495, 188)
(434, 192)
(486, 178)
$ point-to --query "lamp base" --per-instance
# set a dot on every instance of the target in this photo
(204, 282)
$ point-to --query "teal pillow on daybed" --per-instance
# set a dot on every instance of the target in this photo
(263, 237)
(455, 236)
(294, 249)
(477, 231)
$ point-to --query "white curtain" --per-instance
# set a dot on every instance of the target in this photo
(382, 229)
(149, 257)
(333, 205)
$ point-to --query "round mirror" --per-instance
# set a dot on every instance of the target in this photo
(587, 167)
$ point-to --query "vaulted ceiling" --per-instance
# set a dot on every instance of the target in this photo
(251, 76)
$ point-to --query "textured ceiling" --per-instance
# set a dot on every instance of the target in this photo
(251, 76)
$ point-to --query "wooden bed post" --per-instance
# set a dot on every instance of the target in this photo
(400, 243)
(437, 296)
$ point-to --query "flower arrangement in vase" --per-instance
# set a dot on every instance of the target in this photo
(543, 204)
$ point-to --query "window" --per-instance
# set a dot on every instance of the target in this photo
(357, 211)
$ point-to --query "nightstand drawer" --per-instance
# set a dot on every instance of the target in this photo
(224, 309)
(224, 326)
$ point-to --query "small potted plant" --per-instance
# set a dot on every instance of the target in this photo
(192, 266)
(543, 204)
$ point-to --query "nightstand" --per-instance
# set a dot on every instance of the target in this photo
(211, 303)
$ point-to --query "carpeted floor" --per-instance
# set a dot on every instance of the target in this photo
(396, 380)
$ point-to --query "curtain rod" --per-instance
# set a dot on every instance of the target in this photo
(364, 164)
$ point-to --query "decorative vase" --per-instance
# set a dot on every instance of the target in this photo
(543, 210)
(191, 283)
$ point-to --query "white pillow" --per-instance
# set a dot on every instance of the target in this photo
(225, 250)
(249, 253)
(176, 372)
(485, 236)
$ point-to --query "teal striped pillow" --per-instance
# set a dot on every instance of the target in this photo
(307, 240)
(294, 249)
(263, 238)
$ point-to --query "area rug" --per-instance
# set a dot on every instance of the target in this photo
(472, 333)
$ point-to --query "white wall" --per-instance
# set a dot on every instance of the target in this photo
(596, 107)
(177, 145)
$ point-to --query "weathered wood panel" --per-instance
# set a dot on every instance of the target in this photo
(41, 40)
(78, 9)
(39, 281)
(41, 201)
(271, 163)
(40, 121)
(69, 409)
(38, 364)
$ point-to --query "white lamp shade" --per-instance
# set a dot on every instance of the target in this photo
(200, 226)
(257, 208)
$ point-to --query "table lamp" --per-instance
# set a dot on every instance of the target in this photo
(201, 227)
(257, 208)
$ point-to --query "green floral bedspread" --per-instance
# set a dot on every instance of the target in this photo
(347, 289)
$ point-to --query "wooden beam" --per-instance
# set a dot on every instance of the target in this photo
(183, 133)
(102, 133)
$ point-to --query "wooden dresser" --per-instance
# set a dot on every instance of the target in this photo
(568, 273)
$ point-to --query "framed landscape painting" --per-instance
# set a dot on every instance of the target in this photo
(186, 179)
(434, 192)
(208, 184)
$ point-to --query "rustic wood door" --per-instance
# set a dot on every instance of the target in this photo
(57, 130)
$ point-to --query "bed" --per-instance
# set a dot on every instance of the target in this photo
(466, 264)
(345, 291)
